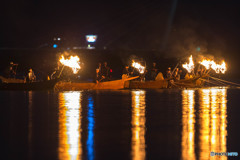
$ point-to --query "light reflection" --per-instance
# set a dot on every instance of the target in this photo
(213, 122)
(138, 125)
(91, 122)
(70, 126)
(30, 123)
(188, 122)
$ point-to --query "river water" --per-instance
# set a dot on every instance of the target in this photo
(121, 124)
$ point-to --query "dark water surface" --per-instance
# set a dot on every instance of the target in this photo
(127, 124)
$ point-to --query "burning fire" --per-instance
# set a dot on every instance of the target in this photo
(139, 67)
(213, 65)
(189, 66)
(72, 62)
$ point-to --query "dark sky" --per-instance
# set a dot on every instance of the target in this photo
(167, 25)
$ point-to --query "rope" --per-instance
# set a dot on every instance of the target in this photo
(225, 81)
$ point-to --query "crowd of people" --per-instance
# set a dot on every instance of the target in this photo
(154, 73)
(103, 73)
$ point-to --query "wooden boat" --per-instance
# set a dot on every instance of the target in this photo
(147, 84)
(166, 83)
(189, 83)
(19, 84)
(73, 86)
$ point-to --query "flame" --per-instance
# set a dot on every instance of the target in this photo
(139, 67)
(218, 68)
(72, 62)
(189, 66)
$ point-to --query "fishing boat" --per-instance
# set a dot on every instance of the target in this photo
(19, 84)
(194, 82)
(74, 86)
(166, 83)
(147, 84)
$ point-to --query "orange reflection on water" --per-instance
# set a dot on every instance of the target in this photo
(188, 122)
(70, 126)
(138, 149)
(213, 122)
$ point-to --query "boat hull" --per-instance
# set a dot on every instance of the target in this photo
(147, 84)
(184, 83)
(43, 85)
(71, 86)
(189, 83)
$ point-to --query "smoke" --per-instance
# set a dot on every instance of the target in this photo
(189, 37)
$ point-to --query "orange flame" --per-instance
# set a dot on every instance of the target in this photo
(138, 66)
(72, 62)
(189, 66)
(218, 68)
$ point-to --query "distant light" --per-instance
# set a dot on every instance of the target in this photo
(91, 38)
(90, 47)
(58, 39)
(77, 47)
(198, 49)
(54, 39)
(55, 45)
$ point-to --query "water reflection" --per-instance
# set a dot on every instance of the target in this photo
(138, 148)
(91, 122)
(188, 122)
(70, 146)
(212, 123)
(30, 123)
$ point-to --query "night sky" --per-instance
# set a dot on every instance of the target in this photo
(170, 26)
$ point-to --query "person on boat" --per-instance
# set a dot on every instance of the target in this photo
(142, 76)
(170, 78)
(98, 75)
(176, 75)
(30, 76)
(126, 71)
(56, 71)
(153, 71)
(12, 70)
(181, 75)
(169, 73)
(105, 72)
(99, 67)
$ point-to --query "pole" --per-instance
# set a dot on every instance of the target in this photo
(209, 81)
(208, 71)
(225, 81)
(60, 72)
(174, 69)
